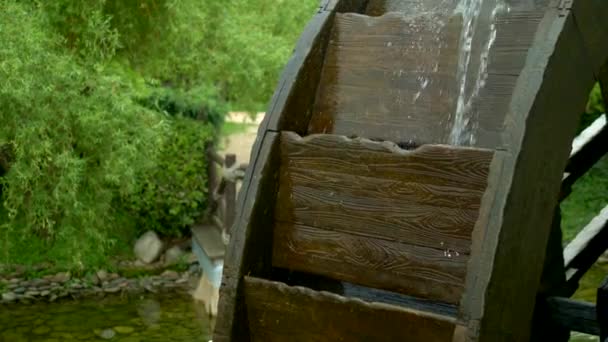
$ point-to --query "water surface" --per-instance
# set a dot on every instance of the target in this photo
(130, 319)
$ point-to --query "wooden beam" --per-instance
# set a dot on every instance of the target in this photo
(574, 315)
(587, 149)
(582, 252)
(497, 304)
(602, 309)
(278, 312)
(590, 18)
(250, 248)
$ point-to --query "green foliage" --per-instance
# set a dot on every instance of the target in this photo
(76, 142)
(200, 103)
(173, 194)
(238, 46)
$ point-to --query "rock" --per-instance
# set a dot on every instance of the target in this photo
(106, 334)
(124, 330)
(19, 290)
(173, 255)
(168, 274)
(111, 289)
(61, 277)
(53, 298)
(14, 280)
(45, 293)
(102, 275)
(32, 293)
(9, 297)
(148, 247)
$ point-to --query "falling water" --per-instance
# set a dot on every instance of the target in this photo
(470, 10)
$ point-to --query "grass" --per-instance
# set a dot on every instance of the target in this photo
(589, 196)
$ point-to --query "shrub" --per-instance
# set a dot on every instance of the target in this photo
(76, 140)
(173, 194)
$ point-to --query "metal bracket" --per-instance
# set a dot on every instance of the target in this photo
(564, 7)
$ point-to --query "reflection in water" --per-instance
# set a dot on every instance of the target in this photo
(159, 318)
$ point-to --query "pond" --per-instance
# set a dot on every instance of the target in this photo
(172, 317)
(150, 318)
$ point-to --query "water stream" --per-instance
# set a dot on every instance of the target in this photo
(475, 45)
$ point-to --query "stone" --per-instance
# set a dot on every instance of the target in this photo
(169, 274)
(14, 280)
(173, 255)
(9, 297)
(148, 247)
(102, 275)
(45, 293)
(61, 277)
(111, 289)
(124, 329)
(19, 290)
(106, 334)
(32, 293)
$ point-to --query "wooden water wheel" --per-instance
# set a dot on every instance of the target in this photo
(405, 179)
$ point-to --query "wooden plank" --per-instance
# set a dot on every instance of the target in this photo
(250, 250)
(229, 196)
(278, 312)
(574, 315)
(590, 16)
(602, 309)
(380, 7)
(418, 271)
(465, 168)
(391, 77)
(552, 284)
(497, 304)
(372, 295)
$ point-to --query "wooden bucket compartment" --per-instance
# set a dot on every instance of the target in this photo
(278, 312)
(374, 214)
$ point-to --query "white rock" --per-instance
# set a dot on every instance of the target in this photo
(173, 255)
(148, 247)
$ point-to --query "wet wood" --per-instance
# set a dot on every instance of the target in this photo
(389, 77)
(418, 271)
(380, 7)
(250, 250)
(602, 309)
(321, 316)
(574, 315)
(376, 189)
(393, 298)
(499, 306)
(591, 20)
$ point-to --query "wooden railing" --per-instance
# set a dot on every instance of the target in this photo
(223, 189)
(585, 249)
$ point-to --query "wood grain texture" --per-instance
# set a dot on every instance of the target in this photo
(373, 214)
(281, 313)
(376, 189)
(418, 271)
(389, 77)
(573, 315)
(502, 305)
(250, 250)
